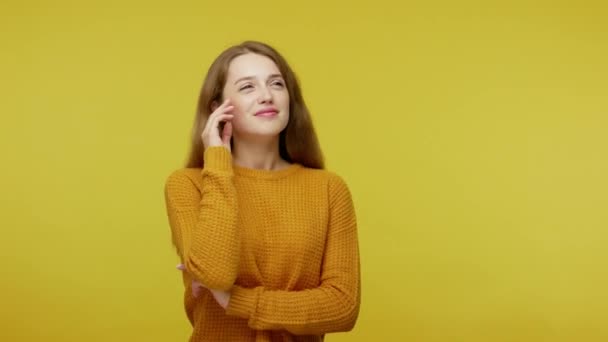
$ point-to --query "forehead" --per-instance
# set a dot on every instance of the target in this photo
(251, 64)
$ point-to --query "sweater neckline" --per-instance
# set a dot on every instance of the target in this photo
(265, 174)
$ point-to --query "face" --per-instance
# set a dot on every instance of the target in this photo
(259, 95)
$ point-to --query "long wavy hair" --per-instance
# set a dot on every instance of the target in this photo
(298, 142)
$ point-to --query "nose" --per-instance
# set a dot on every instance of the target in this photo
(265, 95)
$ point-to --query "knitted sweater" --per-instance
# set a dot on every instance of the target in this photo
(283, 242)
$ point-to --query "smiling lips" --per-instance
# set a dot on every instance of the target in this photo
(267, 112)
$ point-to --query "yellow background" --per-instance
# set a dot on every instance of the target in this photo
(473, 136)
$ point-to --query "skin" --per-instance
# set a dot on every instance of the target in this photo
(253, 83)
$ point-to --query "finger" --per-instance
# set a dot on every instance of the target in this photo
(214, 122)
(212, 119)
(196, 288)
(215, 107)
(227, 133)
(223, 117)
(181, 267)
(227, 102)
(224, 108)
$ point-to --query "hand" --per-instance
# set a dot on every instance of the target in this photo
(221, 297)
(211, 133)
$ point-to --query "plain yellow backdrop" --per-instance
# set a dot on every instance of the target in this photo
(473, 136)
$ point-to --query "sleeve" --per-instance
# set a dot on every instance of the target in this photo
(203, 225)
(332, 306)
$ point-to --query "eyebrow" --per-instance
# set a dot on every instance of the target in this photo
(253, 77)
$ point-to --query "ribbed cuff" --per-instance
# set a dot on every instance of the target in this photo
(243, 301)
(218, 158)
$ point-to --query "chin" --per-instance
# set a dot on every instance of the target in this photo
(263, 129)
(267, 133)
(263, 133)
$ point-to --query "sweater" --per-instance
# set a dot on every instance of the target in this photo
(283, 242)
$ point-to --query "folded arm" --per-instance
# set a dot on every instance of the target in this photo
(332, 306)
(203, 223)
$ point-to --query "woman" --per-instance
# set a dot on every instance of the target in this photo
(266, 237)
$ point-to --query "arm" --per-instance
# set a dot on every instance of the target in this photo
(203, 226)
(331, 307)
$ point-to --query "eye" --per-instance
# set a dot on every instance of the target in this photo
(246, 86)
(278, 83)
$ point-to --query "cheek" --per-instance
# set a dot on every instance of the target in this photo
(285, 100)
(239, 121)
(241, 105)
(240, 116)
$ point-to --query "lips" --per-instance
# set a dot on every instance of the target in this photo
(267, 112)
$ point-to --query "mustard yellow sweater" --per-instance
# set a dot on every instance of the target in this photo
(284, 242)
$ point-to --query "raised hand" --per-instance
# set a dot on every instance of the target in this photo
(211, 133)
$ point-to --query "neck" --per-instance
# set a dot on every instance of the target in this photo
(258, 154)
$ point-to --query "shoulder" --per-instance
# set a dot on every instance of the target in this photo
(333, 180)
(183, 179)
(339, 194)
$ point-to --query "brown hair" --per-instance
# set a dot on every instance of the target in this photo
(298, 142)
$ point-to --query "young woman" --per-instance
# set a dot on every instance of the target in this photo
(267, 238)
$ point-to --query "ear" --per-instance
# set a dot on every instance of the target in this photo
(214, 106)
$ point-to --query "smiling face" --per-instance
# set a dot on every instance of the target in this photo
(258, 93)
